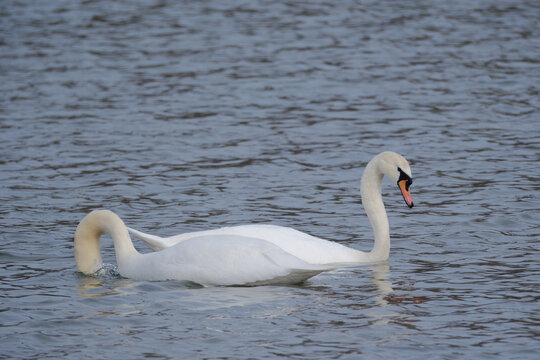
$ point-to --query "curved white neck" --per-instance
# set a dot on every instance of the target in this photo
(90, 229)
(370, 190)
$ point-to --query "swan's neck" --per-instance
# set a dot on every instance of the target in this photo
(87, 236)
(370, 190)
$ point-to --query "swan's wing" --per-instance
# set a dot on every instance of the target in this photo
(225, 260)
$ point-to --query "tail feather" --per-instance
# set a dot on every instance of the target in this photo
(154, 242)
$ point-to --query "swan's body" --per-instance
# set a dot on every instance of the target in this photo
(206, 260)
(311, 249)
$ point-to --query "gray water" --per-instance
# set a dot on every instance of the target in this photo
(183, 116)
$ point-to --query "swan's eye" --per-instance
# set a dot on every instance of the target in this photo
(403, 176)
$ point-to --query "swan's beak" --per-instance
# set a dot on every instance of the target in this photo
(405, 187)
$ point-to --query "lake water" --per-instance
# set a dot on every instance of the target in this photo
(183, 116)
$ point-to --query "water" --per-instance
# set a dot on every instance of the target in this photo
(189, 116)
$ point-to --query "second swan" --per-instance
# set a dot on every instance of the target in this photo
(309, 248)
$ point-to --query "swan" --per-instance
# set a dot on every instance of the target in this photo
(206, 260)
(309, 248)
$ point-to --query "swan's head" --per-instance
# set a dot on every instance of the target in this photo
(397, 169)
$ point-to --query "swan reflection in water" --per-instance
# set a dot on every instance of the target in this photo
(110, 283)
(387, 295)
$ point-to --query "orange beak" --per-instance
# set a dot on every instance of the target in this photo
(404, 186)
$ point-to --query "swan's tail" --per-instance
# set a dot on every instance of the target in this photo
(156, 243)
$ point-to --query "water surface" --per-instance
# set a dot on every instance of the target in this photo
(188, 116)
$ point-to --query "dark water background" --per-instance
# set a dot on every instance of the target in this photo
(184, 116)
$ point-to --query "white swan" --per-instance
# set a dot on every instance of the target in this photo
(312, 249)
(206, 260)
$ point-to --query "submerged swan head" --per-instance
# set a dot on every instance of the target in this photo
(397, 169)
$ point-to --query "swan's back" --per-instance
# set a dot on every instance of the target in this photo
(309, 248)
